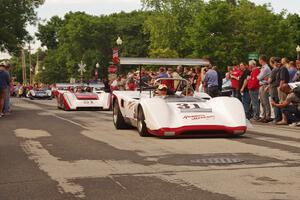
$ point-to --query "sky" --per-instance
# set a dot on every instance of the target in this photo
(100, 7)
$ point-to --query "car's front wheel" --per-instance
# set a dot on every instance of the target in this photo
(118, 119)
(141, 125)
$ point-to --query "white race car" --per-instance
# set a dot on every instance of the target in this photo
(39, 93)
(177, 114)
(83, 97)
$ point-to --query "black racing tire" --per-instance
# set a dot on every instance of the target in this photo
(141, 125)
(63, 107)
(118, 118)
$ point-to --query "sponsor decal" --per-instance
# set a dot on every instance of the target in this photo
(185, 108)
(197, 117)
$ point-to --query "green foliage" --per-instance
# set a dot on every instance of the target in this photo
(14, 15)
(80, 36)
(169, 23)
(163, 53)
(48, 34)
(223, 31)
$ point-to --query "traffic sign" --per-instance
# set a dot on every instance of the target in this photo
(253, 56)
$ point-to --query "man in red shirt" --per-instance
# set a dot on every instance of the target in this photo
(253, 86)
(235, 75)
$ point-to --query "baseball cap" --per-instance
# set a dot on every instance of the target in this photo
(3, 64)
(162, 86)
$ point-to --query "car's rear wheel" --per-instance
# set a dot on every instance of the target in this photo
(141, 125)
(118, 119)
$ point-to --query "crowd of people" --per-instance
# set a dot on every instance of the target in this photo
(263, 87)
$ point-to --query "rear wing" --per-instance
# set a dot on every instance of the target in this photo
(164, 61)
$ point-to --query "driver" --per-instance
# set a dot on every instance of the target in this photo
(162, 91)
(79, 89)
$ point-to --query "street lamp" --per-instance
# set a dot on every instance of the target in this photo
(119, 41)
(298, 52)
(96, 72)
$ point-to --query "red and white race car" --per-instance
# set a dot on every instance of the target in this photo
(79, 97)
(177, 113)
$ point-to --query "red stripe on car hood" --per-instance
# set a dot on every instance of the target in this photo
(86, 96)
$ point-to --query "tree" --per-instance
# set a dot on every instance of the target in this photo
(48, 33)
(79, 36)
(169, 22)
(15, 15)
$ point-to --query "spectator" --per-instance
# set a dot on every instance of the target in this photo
(186, 73)
(198, 78)
(243, 81)
(131, 85)
(226, 85)
(4, 84)
(290, 106)
(235, 75)
(263, 77)
(6, 108)
(292, 70)
(220, 80)
(162, 73)
(114, 84)
(226, 82)
(170, 83)
(106, 84)
(253, 86)
(177, 74)
(121, 82)
(284, 77)
(297, 75)
(145, 78)
(273, 84)
(211, 82)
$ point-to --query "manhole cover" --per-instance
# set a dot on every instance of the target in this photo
(217, 161)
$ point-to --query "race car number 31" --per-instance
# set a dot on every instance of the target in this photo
(184, 107)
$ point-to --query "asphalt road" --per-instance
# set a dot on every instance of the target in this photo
(46, 153)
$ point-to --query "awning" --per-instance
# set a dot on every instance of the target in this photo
(163, 61)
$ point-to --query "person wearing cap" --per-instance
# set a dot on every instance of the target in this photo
(162, 91)
(4, 85)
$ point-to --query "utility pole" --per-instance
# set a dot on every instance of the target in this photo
(24, 67)
(36, 71)
(30, 67)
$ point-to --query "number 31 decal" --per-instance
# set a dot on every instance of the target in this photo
(187, 106)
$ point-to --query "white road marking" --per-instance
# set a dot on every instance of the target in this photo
(31, 134)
